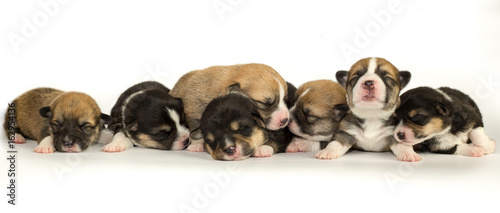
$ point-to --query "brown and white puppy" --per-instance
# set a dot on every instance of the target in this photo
(320, 106)
(62, 121)
(258, 81)
(146, 115)
(372, 86)
(233, 130)
(443, 120)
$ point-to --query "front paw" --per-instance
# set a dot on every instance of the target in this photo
(114, 147)
(490, 148)
(263, 151)
(409, 156)
(470, 150)
(196, 148)
(19, 139)
(44, 149)
(328, 154)
(296, 145)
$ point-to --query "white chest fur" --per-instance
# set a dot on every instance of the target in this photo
(372, 137)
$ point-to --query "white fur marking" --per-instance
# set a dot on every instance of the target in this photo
(119, 143)
(45, 146)
(125, 103)
(479, 138)
(333, 150)
(372, 66)
(372, 136)
(446, 96)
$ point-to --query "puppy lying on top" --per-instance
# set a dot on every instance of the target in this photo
(146, 115)
(314, 117)
(62, 121)
(261, 83)
(443, 120)
(233, 129)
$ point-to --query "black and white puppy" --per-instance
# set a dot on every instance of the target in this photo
(233, 129)
(372, 86)
(443, 120)
(146, 115)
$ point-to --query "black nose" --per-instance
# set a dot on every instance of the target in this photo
(230, 151)
(68, 144)
(401, 135)
(369, 84)
(283, 122)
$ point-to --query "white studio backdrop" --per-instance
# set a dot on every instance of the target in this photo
(103, 47)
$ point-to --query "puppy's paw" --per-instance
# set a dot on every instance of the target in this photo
(409, 156)
(328, 154)
(263, 151)
(45, 146)
(470, 150)
(196, 147)
(490, 148)
(19, 139)
(114, 147)
(297, 145)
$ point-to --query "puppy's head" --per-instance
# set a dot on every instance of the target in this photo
(424, 113)
(232, 127)
(75, 121)
(154, 119)
(269, 91)
(319, 107)
(373, 84)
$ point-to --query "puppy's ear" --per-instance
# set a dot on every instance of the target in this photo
(235, 88)
(340, 111)
(259, 119)
(171, 101)
(105, 119)
(196, 134)
(45, 112)
(404, 78)
(442, 109)
(290, 100)
(342, 77)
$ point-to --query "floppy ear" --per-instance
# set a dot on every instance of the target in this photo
(442, 109)
(340, 111)
(259, 120)
(175, 102)
(45, 112)
(290, 101)
(342, 77)
(404, 78)
(105, 119)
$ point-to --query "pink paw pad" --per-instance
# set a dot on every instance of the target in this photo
(263, 152)
(196, 148)
(19, 139)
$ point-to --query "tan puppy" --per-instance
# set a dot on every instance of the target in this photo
(316, 114)
(258, 81)
(62, 121)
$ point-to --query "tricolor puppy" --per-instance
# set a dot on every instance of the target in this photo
(320, 106)
(62, 121)
(372, 86)
(233, 129)
(259, 82)
(146, 115)
(444, 119)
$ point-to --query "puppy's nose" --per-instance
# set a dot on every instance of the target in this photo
(369, 85)
(68, 144)
(401, 135)
(230, 151)
(284, 122)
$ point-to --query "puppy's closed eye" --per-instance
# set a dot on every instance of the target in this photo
(419, 119)
(161, 135)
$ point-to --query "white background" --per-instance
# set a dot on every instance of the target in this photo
(104, 47)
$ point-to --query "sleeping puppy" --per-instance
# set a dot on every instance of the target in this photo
(316, 114)
(62, 121)
(372, 86)
(146, 115)
(259, 82)
(233, 129)
(445, 119)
